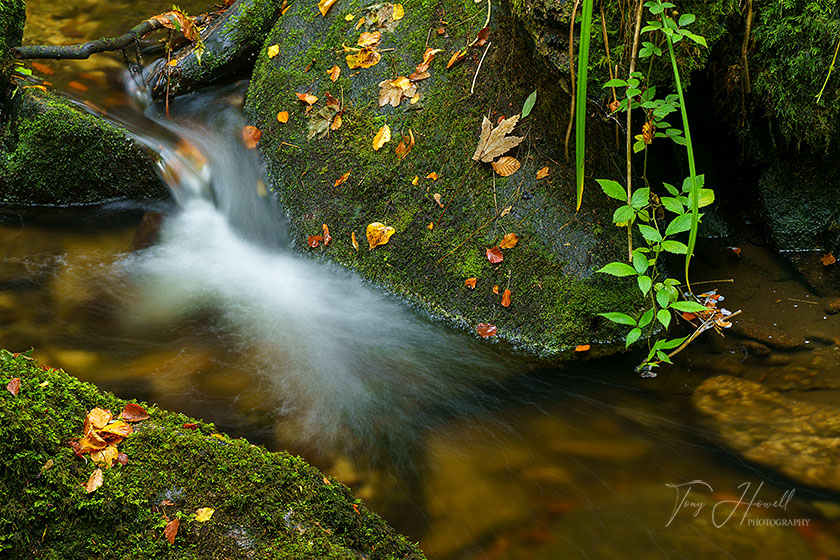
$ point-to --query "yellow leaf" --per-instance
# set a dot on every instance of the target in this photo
(273, 51)
(431, 226)
(369, 39)
(353, 240)
(542, 173)
(283, 116)
(406, 144)
(365, 58)
(509, 241)
(105, 457)
(204, 514)
(437, 197)
(506, 165)
(399, 12)
(94, 482)
(349, 17)
(433, 176)
(336, 124)
(360, 23)
(173, 62)
(324, 6)
(384, 135)
(97, 418)
(415, 180)
(378, 234)
(334, 72)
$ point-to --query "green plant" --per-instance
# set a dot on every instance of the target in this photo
(580, 99)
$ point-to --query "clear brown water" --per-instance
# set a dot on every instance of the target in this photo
(474, 453)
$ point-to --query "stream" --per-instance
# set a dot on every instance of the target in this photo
(201, 306)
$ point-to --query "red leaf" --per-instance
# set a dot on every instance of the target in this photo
(190, 426)
(506, 299)
(133, 413)
(14, 386)
(314, 240)
(485, 330)
(483, 35)
(494, 255)
(171, 530)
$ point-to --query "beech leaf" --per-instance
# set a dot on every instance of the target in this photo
(494, 255)
(14, 386)
(506, 299)
(509, 241)
(470, 283)
(494, 142)
(506, 165)
(94, 482)
(384, 135)
(251, 136)
(133, 413)
(171, 530)
(204, 514)
(341, 179)
(307, 98)
(324, 6)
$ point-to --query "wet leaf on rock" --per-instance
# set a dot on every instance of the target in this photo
(506, 166)
(273, 51)
(204, 514)
(405, 145)
(378, 234)
(14, 386)
(470, 283)
(382, 136)
(251, 136)
(171, 530)
(494, 255)
(509, 241)
(307, 98)
(94, 482)
(494, 142)
(133, 413)
(314, 240)
(486, 330)
(506, 298)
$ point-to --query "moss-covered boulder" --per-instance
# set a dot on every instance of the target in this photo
(266, 505)
(56, 154)
(446, 208)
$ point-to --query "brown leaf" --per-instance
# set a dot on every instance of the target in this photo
(133, 413)
(483, 35)
(509, 241)
(506, 298)
(417, 76)
(334, 72)
(327, 236)
(506, 165)
(428, 57)
(341, 179)
(437, 198)
(332, 102)
(314, 240)
(94, 482)
(384, 135)
(485, 330)
(307, 98)
(171, 530)
(122, 459)
(166, 503)
(828, 259)
(582, 348)
(283, 116)
(179, 21)
(392, 91)
(406, 144)
(542, 173)
(324, 6)
(470, 283)
(14, 386)
(250, 136)
(494, 255)
(378, 234)
(494, 142)
(190, 426)
(353, 240)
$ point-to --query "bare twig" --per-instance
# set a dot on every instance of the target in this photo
(472, 88)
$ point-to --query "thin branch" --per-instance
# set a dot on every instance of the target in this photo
(472, 88)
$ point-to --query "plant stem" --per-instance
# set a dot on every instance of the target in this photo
(580, 101)
(633, 55)
(571, 76)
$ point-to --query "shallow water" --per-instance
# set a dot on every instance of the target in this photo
(475, 453)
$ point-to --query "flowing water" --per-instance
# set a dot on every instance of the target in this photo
(202, 307)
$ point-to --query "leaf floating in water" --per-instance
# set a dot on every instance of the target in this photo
(251, 136)
(324, 6)
(341, 179)
(509, 241)
(582, 348)
(470, 283)
(486, 330)
(828, 259)
(378, 234)
(506, 299)
(384, 135)
(494, 255)
(273, 51)
(14, 386)
(94, 482)
(542, 173)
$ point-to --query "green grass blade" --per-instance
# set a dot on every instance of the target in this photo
(580, 96)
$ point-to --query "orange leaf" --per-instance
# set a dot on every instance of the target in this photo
(78, 86)
(105, 457)
(353, 240)
(495, 288)
(334, 72)
(509, 241)
(582, 348)
(97, 419)
(736, 250)
(171, 530)
(360, 23)
(341, 179)
(506, 299)
(455, 57)
(470, 283)
(91, 442)
(327, 236)
(494, 255)
(436, 196)
(406, 144)
(542, 173)
(273, 51)
(369, 39)
(314, 240)
(431, 226)
(133, 413)
(433, 176)
(324, 6)
(283, 116)
(307, 98)
(94, 482)
(14, 386)
(384, 135)
(688, 316)
(250, 136)
(356, 509)
(828, 259)
(336, 124)
(506, 165)
(485, 330)
(42, 68)
(190, 426)
(117, 428)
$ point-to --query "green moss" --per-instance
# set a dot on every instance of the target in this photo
(267, 505)
(57, 154)
(12, 18)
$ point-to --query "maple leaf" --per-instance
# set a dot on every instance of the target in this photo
(506, 299)
(494, 255)
(171, 530)
(384, 135)
(506, 165)
(133, 413)
(486, 330)
(14, 386)
(94, 482)
(324, 6)
(470, 283)
(364, 58)
(251, 136)
(378, 234)
(494, 142)
(509, 241)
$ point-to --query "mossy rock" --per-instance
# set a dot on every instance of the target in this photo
(556, 295)
(57, 154)
(267, 505)
(12, 18)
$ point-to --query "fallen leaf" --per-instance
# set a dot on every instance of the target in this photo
(506, 211)
(341, 179)
(455, 57)
(166, 503)
(483, 35)
(327, 481)
(441, 30)
(133, 413)
(327, 236)
(171, 530)
(273, 51)
(828, 259)
(360, 23)
(437, 197)
(542, 173)
(365, 58)
(332, 102)
(356, 509)
(494, 255)
(691, 316)
(494, 141)
(506, 298)
(204, 514)
(431, 226)
(94, 482)
(369, 39)
(433, 176)
(117, 428)
(336, 124)
(334, 72)
(14, 386)
(495, 289)
(470, 283)
(314, 240)
(399, 12)
(324, 6)
(506, 165)
(177, 20)
(416, 77)
(406, 144)
(378, 234)
(250, 136)
(349, 17)
(190, 426)
(384, 135)
(353, 240)
(485, 330)
(44, 384)
(92, 442)
(122, 459)
(174, 62)
(736, 250)
(97, 419)
(320, 123)
(509, 241)
(582, 348)
(415, 181)
(283, 116)
(105, 457)
(428, 57)
(307, 98)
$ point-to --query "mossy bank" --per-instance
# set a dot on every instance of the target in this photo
(267, 505)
